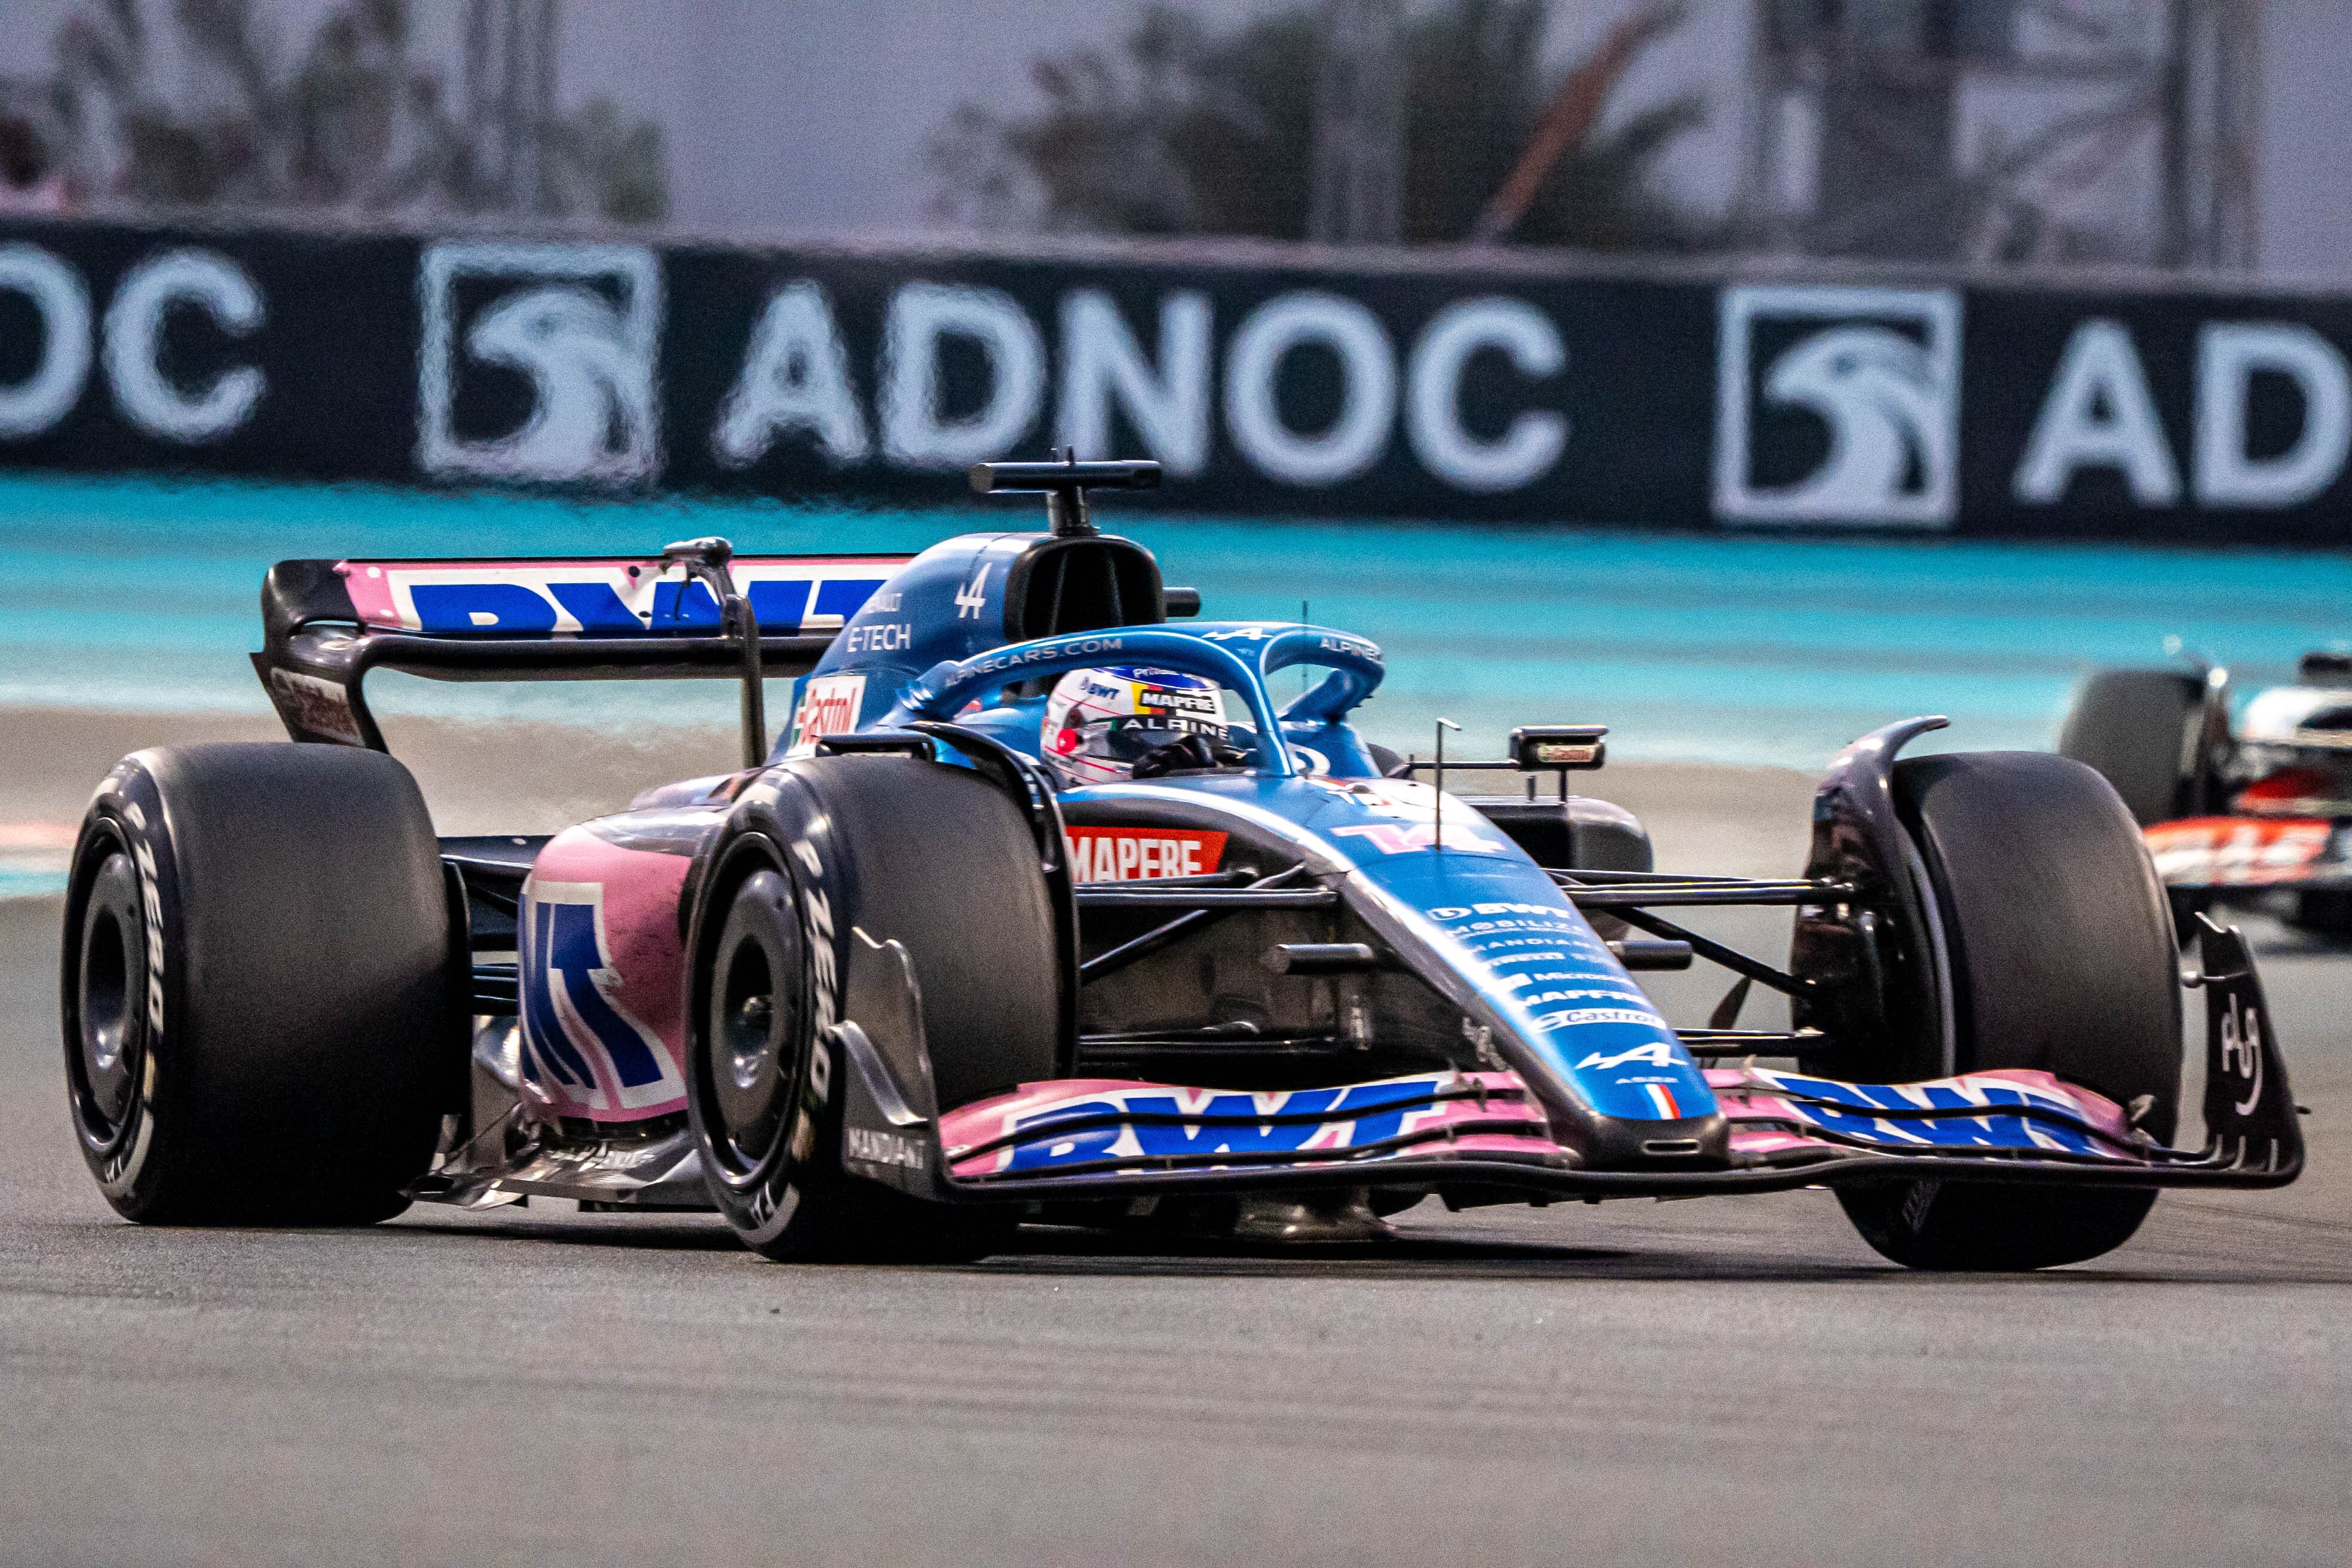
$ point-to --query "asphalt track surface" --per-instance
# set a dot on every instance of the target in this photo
(1725, 1380)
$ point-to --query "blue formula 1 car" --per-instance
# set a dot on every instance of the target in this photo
(1042, 910)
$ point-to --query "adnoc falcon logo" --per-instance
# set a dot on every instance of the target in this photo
(538, 362)
(1838, 406)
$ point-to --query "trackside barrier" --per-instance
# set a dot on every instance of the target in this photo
(1268, 381)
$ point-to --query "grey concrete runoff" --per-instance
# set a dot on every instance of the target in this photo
(1736, 1380)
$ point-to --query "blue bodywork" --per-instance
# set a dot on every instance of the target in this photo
(945, 608)
(1548, 995)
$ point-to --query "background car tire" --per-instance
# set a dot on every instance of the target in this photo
(939, 860)
(2062, 958)
(259, 1026)
(2132, 726)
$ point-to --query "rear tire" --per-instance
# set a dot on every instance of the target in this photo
(259, 1015)
(2063, 959)
(2132, 726)
(897, 848)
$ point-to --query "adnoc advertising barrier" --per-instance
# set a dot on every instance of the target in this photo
(1435, 386)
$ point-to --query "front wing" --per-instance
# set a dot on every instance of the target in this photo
(1078, 1138)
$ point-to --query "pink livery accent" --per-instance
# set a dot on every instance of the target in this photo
(603, 975)
(1775, 1114)
(1086, 1125)
(1046, 1127)
(789, 594)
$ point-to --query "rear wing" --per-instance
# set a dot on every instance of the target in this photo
(677, 615)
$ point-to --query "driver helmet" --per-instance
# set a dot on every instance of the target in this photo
(1100, 722)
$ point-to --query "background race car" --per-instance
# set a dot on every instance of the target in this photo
(2260, 807)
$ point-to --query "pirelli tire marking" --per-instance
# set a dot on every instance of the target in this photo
(124, 1158)
(772, 1201)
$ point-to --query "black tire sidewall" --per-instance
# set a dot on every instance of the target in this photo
(2060, 957)
(936, 857)
(130, 1160)
(769, 1203)
(859, 842)
(2058, 932)
(297, 931)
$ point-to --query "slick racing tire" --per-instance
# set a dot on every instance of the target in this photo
(2062, 957)
(866, 850)
(259, 1012)
(2134, 726)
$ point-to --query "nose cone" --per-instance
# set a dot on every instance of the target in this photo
(1552, 1001)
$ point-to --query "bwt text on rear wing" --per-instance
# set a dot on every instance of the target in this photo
(680, 614)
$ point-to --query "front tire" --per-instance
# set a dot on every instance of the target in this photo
(865, 850)
(2062, 958)
(256, 986)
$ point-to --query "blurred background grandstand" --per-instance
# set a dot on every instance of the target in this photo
(2197, 135)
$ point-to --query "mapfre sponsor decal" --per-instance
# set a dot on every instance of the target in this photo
(1142, 854)
(829, 706)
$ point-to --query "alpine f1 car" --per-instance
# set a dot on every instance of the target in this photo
(2258, 812)
(1042, 909)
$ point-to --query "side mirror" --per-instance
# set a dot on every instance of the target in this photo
(1552, 748)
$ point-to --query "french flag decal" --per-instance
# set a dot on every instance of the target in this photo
(1664, 1099)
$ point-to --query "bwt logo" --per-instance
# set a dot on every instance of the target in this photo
(538, 362)
(1838, 406)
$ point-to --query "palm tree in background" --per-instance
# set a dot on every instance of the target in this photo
(1190, 131)
(351, 122)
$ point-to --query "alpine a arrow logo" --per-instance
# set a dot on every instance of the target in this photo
(581, 1042)
(1393, 839)
(1649, 1053)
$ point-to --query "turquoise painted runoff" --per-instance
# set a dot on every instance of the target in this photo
(1754, 647)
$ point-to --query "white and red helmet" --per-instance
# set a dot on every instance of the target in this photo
(1100, 722)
